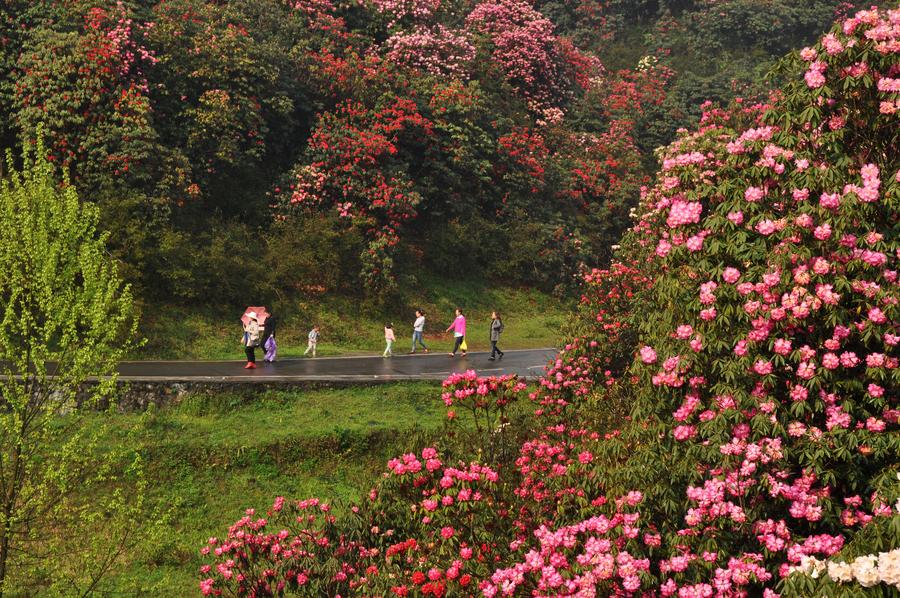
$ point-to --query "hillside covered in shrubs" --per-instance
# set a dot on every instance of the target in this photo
(723, 421)
(317, 146)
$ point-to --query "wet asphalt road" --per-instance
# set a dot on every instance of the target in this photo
(528, 363)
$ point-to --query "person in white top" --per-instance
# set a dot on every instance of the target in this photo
(419, 331)
(250, 339)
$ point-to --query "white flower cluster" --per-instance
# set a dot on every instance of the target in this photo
(647, 62)
(868, 571)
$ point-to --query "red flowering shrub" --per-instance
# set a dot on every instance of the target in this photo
(442, 532)
(753, 324)
(367, 181)
(527, 152)
(278, 553)
(320, 15)
(603, 340)
(102, 127)
(606, 167)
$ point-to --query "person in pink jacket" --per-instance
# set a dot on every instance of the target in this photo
(459, 331)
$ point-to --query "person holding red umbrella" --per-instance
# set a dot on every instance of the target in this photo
(250, 339)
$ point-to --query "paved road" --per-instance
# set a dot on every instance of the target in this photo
(431, 366)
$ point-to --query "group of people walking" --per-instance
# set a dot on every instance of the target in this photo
(457, 327)
(255, 331)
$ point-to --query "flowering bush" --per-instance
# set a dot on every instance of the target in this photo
(103, 126)
(367, 180)
(751, 325)
(437, 51)
(525, 48)
(595, 553)
(439, 536)
(767, 372)
(271, 555)
(487, 400)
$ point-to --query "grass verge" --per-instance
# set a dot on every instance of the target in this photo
(211, 457)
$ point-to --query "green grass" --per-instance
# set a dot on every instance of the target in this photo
(213, 456)
(532, 319)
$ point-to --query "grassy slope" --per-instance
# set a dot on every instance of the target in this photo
(532, 319)
(212, 457)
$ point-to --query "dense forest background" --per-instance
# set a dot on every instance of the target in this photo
(319, 146)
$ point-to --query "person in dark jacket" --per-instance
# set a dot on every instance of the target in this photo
(496, 330)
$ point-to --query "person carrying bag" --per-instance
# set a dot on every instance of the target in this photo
(459, 333)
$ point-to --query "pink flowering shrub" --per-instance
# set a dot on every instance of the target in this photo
(487, 401)
(400, 12)
(437, 51)
(724, 420)
(763, 407)
(276, 553)
(525, 48)
(593, 553)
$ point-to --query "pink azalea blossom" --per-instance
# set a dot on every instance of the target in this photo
(731, 275)
(762, 367)
(648, 355)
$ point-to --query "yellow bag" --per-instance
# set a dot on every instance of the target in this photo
(463, 345)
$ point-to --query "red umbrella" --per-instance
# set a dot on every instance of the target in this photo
(260, 312)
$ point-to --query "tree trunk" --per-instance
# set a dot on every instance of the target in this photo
(8, 506)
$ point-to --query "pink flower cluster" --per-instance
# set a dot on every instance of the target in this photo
(578, 559)
(684, 212)
(815, 76)
(398, 11)
(687, 159)
(467, 388)
(435, 50)
(526, 48)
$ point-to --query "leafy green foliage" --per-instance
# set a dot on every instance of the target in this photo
(66, 316)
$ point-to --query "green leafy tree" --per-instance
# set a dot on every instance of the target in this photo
(229, 92)
(66, 318)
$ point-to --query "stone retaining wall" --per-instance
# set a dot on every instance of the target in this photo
(138, 396)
